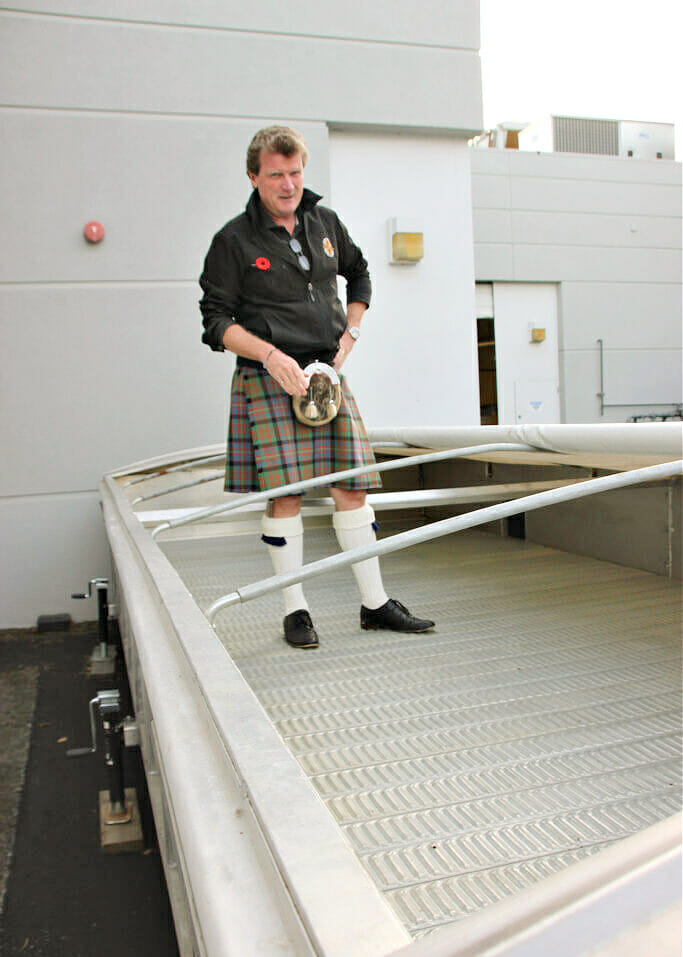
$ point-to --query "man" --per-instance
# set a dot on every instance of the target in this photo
(270, 297)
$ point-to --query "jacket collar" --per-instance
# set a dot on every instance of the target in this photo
(259, 217)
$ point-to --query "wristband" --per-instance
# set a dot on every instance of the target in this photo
(265, 361)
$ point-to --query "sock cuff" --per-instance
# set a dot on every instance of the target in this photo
(282, 527)
(354, 518)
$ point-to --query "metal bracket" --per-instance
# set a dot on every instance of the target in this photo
(131, 732)
(99, 583)
(118, 805)
(108, 702)
(103, 658)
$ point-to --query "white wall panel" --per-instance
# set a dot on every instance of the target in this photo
(490, 191)
(91, 64)
(626, 315)
(580, 385)
(483, 294)
(416, 360)
(494, 261)
(493, 226)
(584, 167)
(161, 186)
(487, 161)
(51, 547)
(589, 196)
(578, 229)
(642, 376)
(595, 263)
(101, 376)
(635, 382)
(440, 23)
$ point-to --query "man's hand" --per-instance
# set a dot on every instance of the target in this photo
(286, 372)
(279, 365)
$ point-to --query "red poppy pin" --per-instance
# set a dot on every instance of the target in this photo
(262, 263)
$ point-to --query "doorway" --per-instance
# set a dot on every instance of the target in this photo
(488, 384)
(486, 359)
(517, 346)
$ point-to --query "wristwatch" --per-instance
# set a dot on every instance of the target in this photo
(354, 332)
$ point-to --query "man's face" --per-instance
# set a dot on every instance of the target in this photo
(280, 183)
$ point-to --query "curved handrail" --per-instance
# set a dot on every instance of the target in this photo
(177, 488)
(191, 463)
(322, 480)
(445, 527)
(160, 492)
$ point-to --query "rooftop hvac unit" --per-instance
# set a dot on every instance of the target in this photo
(574, 134)
(504, 136)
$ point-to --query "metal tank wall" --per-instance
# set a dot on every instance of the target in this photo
(137, 115)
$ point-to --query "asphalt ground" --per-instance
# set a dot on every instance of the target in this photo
(61, 895)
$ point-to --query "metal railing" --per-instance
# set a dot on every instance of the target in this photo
(294, 488)
(214, 477)
(446, 527)
(190, 464)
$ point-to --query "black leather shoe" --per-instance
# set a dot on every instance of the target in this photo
(393, 616)
(299, 630)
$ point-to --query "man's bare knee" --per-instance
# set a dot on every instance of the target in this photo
(285, 507)
(346, 499)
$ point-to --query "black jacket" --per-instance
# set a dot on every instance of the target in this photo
(251, 276)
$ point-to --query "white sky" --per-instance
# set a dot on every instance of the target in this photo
(616, 60)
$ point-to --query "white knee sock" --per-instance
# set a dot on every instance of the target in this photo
(287, 554)
(354, 529)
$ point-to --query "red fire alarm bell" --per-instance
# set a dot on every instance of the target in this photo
(93, 232)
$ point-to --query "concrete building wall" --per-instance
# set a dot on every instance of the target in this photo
(608, 232)
(442, 24)
(358, 65)
(138, 115)
(416, 361)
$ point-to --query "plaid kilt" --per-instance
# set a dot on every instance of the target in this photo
(268, 447)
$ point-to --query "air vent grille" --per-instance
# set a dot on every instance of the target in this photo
(577, 135)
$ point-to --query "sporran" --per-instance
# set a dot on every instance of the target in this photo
(323, 396)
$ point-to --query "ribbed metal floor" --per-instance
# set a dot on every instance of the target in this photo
(540, 721)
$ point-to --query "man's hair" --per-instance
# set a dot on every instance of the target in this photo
(275, 139)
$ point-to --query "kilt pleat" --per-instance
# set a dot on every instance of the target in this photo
(268, 447)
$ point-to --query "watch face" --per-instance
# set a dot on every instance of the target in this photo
(353, 332)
